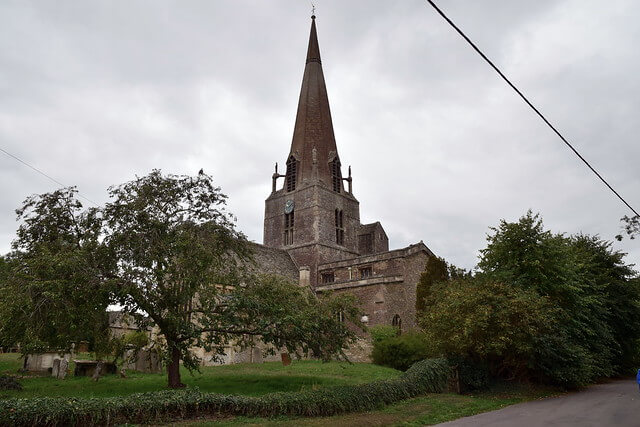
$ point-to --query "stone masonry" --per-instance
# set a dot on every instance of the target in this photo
(315, 218)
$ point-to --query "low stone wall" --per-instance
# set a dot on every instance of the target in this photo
(43, 362)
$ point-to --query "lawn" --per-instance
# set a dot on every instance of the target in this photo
(258, 379)
(424, 410)
(245, 379)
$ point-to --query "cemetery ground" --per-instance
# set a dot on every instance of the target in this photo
(260, 379)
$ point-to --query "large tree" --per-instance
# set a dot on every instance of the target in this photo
(543, 306)
(165, 249)
(435, 271)
(54, 294)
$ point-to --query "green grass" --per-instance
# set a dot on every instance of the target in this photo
(259, 379)
(245, 379)
(424, 410)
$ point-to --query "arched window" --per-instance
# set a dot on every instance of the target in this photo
(340, 316)
(290, 177)
(336, 175)
(339, 227)
(397, 323)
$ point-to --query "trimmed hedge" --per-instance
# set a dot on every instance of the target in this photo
(9, 383)
(427, 376)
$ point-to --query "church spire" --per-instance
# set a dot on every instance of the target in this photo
(313, 146)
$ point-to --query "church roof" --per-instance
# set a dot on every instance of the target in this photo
(313, 137)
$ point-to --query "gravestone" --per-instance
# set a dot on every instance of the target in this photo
(55, 368)
(63, 367)
(286, 359)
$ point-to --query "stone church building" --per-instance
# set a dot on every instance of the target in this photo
(312, 219)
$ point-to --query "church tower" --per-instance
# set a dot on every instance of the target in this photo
(314, 215)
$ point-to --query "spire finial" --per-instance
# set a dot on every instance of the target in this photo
(313, 11)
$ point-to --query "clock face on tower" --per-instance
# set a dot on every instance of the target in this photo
(288, 206)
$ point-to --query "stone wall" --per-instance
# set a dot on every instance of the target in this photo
(388, 290)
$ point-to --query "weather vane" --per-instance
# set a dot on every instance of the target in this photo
(313, 8)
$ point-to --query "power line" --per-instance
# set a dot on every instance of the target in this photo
(42, 173)
(464, 36)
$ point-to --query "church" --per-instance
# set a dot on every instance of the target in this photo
(312, 228)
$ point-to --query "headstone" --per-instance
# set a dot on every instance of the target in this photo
(64, 366)
(55, 368)
(286, 359)
(97, 371)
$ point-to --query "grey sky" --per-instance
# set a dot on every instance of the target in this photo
(94, 92)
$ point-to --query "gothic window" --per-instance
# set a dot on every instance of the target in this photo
(397, 323)
(290, 177)
(288, 228)
(339, 227)
(327, 278)
(336, 175)
(366, 272)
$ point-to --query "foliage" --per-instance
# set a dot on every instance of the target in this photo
(486, 321)
(436, 271)
(53, 295)
(9, 383)
(427, 376)
(472, 376)
(402, 351)
(116, 347)
(165, 249)
(543, 306)
(631, 226)
(382, 333)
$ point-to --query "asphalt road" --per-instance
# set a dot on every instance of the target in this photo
(613, 404)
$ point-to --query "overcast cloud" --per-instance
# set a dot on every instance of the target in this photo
(95, 92)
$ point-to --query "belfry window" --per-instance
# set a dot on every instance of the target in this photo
(290, 177)
(336, 175)
(339, 227)
(288, 228)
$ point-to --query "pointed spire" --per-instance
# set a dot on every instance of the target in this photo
(313, 51)
(313, 136)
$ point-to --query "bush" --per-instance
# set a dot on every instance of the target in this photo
(383, 332)
(427, 376)
(471, 375)
(400, 352)
(9, 383)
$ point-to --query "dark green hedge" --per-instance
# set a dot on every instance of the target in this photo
(427, 376)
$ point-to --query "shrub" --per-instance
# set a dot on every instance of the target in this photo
(471, 375)
(400, 352)
(9, 383)
(383, 332)
(427, 376)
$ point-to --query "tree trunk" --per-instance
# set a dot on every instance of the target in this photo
(173, 370)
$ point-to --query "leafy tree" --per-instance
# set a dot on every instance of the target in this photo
(616, 288)
(53, 294)
(541, 306)
(435, 271)
(631, 226)
(165, 249)
(487, 321)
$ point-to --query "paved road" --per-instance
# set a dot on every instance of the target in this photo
(613, 404)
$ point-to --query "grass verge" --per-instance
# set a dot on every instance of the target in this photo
(242, 379)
